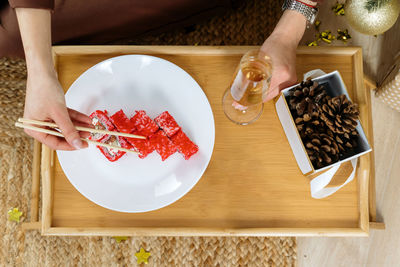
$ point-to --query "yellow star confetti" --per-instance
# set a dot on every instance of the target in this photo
(14, 214)
(142, 256)
(118, 239)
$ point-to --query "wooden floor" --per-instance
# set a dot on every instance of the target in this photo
(382, 248)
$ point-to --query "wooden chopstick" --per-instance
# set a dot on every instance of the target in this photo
(80, 128)
(30, 127)
(109, 146)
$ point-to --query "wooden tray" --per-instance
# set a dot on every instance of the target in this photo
(252, 185)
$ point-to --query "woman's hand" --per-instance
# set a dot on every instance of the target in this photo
(283, 56)
(44, 95)
(281, 46)
(45, 101)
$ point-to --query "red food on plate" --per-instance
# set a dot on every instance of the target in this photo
(122, 123)
(167, 123)
(162, 144)
(166, 141)
(143, 146)
(144, 124)
(113, 154)
(124, 143)
(101, 121)
(185, 146)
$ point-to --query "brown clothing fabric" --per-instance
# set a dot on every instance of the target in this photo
(102, 21)
(48, 4)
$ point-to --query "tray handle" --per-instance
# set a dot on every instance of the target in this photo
(34, 223)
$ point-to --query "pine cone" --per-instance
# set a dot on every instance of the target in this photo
(326, 125)
(339, 114)
(322, 149)
(302, 98)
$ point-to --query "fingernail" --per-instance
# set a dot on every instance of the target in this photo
(77, 143)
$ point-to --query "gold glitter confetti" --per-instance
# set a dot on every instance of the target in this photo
(343, 36)
(14, 214)
(313, 43)
(327, 36)
(317, 23)
(118, 239)
(338, 9)
(142, 256)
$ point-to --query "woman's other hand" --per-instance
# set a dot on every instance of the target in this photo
(281, 47)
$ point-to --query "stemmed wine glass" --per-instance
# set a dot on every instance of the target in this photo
(243, 100)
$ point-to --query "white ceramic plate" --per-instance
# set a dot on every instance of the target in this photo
(135, 82)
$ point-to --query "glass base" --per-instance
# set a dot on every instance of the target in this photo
(240, 114)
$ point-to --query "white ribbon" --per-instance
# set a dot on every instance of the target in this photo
(319, 183)
(313, 74)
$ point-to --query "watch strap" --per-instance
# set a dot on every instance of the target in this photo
(309, 12)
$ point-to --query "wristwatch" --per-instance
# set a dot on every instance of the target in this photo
(309, 12)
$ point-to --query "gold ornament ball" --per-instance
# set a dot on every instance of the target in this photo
(372, 21)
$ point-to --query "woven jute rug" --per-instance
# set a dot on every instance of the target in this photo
(18, 248)
(248, 23)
